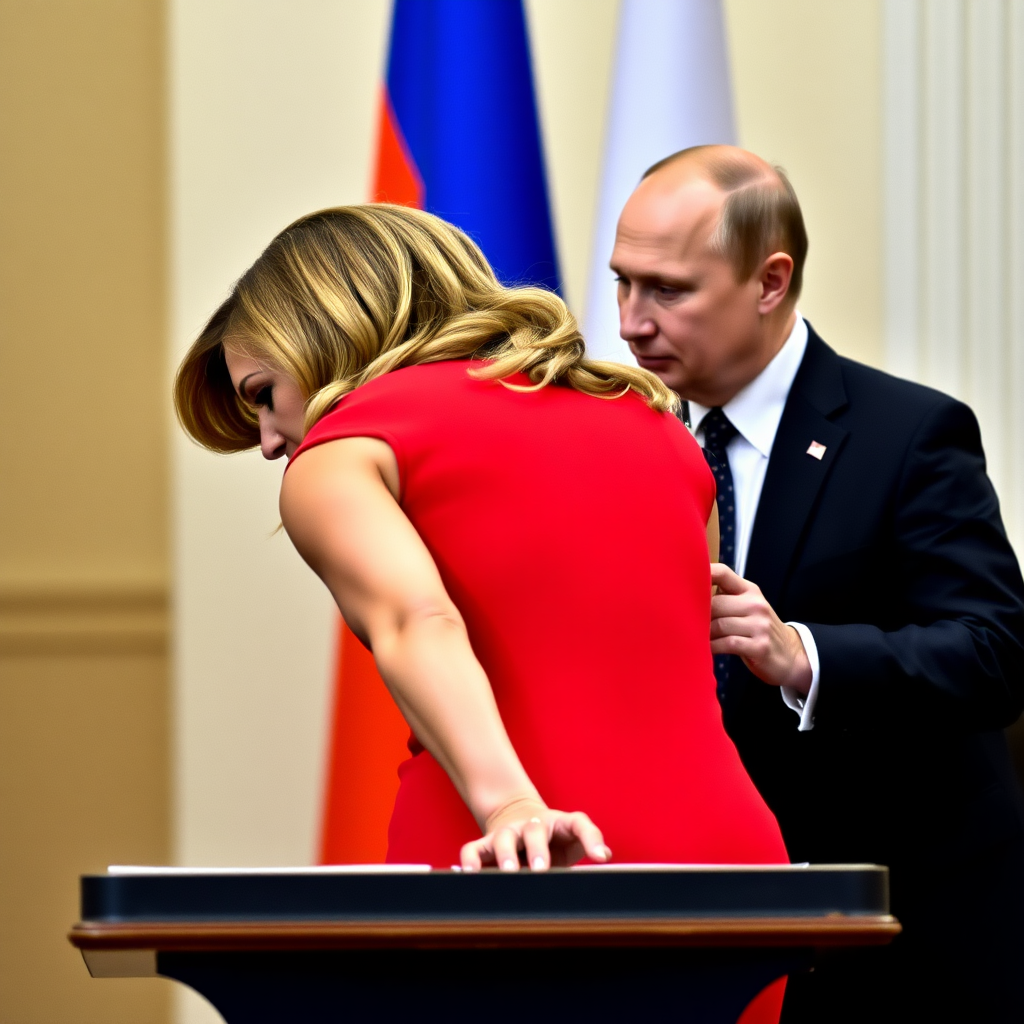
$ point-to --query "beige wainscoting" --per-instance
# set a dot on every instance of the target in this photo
(118, 621)
(84, 766)
(83, 783)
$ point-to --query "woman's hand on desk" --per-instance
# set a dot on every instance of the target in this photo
(527, 830)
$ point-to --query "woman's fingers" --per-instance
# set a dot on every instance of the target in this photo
(501, 848)
(506, 849)
(590, 838)
(580, 837)
(535, 845)
(471, 854)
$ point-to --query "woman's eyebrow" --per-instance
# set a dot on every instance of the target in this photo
(241, 383)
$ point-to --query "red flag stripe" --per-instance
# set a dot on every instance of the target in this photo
(368, 742)
(396, 178)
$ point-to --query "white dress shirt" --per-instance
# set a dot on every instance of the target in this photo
(755, 412)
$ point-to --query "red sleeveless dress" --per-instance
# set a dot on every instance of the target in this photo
(570, 533)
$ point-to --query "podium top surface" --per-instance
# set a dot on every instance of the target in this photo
(601, 893)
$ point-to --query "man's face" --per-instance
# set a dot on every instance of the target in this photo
(681, 309)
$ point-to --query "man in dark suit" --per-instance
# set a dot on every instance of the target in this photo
(868, 578)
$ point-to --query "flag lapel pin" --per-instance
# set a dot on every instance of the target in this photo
(816, 450)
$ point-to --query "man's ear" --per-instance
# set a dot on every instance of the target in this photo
(774, 277)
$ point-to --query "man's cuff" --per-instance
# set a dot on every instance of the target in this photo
(794, 699)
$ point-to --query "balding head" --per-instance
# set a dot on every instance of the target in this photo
(760, 213)
(708, 254)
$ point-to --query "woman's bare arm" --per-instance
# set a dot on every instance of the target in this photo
(338, 504)
(713, 533)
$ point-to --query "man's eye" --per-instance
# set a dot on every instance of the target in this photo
(264, 397)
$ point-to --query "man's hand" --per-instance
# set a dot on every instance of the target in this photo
(744, 623)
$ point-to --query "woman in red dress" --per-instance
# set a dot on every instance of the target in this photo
(516, 532)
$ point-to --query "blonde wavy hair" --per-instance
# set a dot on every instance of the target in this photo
(345, 295)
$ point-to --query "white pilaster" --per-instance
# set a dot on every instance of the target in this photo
(986, 208)
(1013, 491)
(901, 96)
(954, 215)
(942, 181)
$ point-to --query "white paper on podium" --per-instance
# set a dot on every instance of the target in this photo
(321, 869)
(423, 869)
(691, 867)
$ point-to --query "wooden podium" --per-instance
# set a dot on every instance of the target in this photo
(331, 945)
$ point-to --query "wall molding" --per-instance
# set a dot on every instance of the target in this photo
(120, 619)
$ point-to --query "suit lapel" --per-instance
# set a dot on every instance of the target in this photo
(794, 478)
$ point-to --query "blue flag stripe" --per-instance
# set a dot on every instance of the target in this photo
(461, 85)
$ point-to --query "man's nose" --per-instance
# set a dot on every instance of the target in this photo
(634, 321)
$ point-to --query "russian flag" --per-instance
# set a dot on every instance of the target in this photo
(459, 137)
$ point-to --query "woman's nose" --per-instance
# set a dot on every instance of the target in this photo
(272, 443)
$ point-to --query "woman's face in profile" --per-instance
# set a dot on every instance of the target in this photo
(277, 399)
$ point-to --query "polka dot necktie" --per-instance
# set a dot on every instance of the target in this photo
(718, 432)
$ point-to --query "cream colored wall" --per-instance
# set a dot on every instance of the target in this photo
(273, 116)
(807, 80)
(573, 46)
(83, 502)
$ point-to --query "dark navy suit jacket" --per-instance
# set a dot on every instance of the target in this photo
(892, 551)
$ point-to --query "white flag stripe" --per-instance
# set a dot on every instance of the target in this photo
(671, 90)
